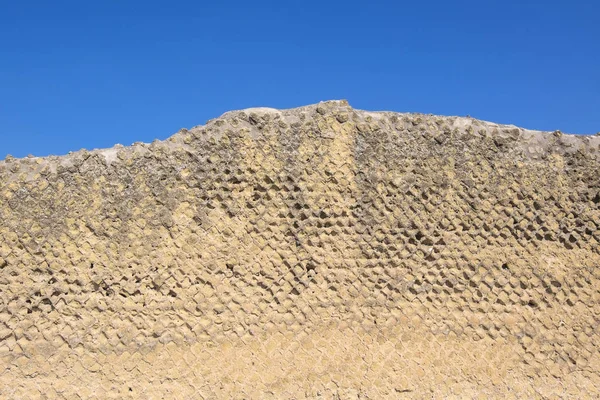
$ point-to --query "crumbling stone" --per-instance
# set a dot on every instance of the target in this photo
(316, 252)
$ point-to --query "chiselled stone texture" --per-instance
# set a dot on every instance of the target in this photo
(319, 252)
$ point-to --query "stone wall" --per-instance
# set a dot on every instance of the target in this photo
(319, 252)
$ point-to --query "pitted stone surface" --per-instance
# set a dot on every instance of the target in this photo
(318, 252)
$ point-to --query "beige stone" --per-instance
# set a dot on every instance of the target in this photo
(318, 252)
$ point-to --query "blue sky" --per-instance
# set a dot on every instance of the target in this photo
(89, 74)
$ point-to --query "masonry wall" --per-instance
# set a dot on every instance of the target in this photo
(319, 252)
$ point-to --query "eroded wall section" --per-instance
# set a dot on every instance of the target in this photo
(314, 252)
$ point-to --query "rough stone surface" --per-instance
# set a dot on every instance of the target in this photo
(319, 252)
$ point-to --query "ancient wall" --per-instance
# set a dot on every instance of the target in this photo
(319, 252)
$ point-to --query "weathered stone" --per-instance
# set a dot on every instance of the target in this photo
(316, 252)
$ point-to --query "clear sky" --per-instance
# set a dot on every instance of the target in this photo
(89, 74)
